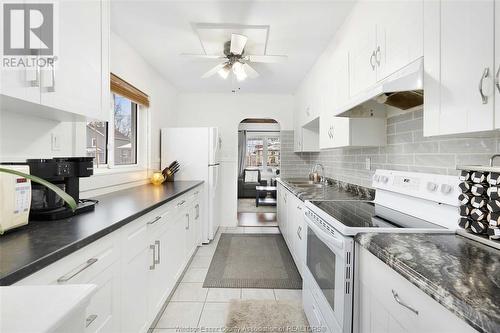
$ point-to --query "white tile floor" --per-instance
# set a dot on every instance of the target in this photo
(193, 306)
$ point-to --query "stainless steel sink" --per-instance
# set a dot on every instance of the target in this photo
(310, 185)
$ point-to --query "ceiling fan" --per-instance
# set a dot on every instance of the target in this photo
(236, 61)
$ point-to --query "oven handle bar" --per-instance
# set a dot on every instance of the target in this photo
(325, 237)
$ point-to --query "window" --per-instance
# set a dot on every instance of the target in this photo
(97, 139)
(125, 131)
(273, 151)
(263, 151)
(119, 145)
(255, 150)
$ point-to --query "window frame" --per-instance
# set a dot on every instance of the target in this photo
(141, 115)
(264, 136)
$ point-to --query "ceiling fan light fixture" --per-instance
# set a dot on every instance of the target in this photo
(239, 71)
(224, 72)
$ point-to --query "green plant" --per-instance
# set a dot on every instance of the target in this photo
(65, 196)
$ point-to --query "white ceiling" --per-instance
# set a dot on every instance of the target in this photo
(161, 30)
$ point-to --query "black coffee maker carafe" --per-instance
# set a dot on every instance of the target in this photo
(64, 172)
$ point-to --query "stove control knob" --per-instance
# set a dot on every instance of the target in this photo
(384, 179)
(432, 187)
(446, 189)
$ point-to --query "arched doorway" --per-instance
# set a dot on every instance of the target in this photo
(259, 150)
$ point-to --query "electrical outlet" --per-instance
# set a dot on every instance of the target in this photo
(368, 163)
(55, 142)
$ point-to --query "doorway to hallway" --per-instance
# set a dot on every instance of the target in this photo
(259, 148)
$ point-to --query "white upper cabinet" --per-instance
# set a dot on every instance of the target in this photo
(336, 132)
(459, 67)
(78, 82)
(399, 35)
(362, 45)
(385, 36)
(75, 83)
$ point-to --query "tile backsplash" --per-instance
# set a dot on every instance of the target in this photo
(407, 149)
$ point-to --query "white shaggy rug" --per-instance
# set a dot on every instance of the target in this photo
(266, 316)
(248, 206)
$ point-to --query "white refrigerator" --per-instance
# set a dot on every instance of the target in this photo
(197, 151)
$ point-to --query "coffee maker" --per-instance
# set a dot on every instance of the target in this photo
(64, 172)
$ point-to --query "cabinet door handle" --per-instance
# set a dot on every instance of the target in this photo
(157, 261)
(52, 87)
(197, 211)
(181, 203)
(377, 56)
(187, 227)
(399, 301)
(497, 79)
(485, 75)
(372, 57)
(36, 82)
(156, 219)
(299, 232)
(90, 319)
(153, 247)
(69, 276)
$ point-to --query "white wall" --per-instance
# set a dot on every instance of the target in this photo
(23, 137)
(226, 111)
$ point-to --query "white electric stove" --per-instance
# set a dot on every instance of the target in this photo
(404, 202)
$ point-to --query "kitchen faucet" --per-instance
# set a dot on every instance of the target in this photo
(320, 175)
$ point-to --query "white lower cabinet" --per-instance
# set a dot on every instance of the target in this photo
(387, 302)
(135, 268)
(291, 223)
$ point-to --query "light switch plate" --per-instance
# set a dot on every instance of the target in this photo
(55, 142)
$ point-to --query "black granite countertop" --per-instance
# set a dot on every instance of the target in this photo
(461, 274)
(30, 248)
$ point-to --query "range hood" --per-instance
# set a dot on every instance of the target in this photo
(402, 90)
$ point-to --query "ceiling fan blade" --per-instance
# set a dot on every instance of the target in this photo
(267, 58)
(238, 43)
(252, 73)
(202, 56)
(213, 71)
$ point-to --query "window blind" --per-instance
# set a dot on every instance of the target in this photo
(125, 89)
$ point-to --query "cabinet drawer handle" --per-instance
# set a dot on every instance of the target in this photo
(396, 297)
(197, 211)
(377, 56)
(157, 261)
(67, 277)
(181, 203)
(497, 79)
(153, 247)
(187, 227)
(156, 219)
(371, 60)
(90, 319)
(299, 233)
(485, 75)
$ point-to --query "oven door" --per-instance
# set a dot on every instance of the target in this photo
(329, 266)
